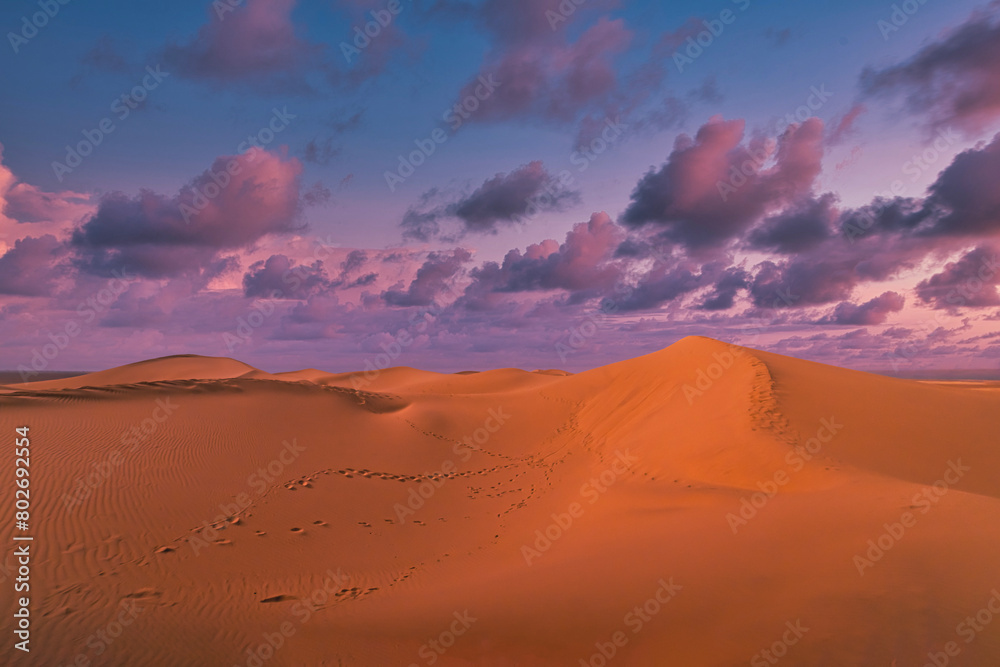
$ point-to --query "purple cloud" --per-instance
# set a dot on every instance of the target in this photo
(32, 267)
(954, 81)
(712, 187)
(971, 281)
(231, 205)
(431, 280)
(875, 311)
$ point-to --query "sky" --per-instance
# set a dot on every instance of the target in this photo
(459, 184)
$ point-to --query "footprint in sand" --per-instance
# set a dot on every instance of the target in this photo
(144, 594)
(279, 598)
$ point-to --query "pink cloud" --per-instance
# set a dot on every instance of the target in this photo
(713, 187)
(237, 201)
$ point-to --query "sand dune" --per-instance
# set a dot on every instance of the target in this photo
(179, 367)
(703, 505)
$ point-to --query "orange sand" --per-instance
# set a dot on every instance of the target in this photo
(189, 510)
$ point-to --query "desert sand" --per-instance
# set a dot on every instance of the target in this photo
(702, 505)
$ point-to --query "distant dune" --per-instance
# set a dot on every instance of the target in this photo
(10, 377)
(705, 505)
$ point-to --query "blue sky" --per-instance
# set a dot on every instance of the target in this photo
(227, 73)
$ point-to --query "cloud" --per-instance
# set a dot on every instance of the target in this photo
(712, 187)
(27, 203)
(778, 37)
(542, 73)
(105, 56)
(723, 294)
(27, 210)
(31, 266)
(801, 226)
(845, 125)
(875, 311)
(253, 43)
(361, 58)
(971, 281)
(802, 282)
(431, 280)
(158, 235)
(320, 151)
(583, 265)
(660, 285)
(965, 198)
(278, 277)
(511, 197)
(707, 92)
(954, 81)
(354, 261)
(501, 200)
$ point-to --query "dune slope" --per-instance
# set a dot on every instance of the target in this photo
(701, 505)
